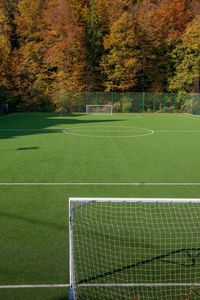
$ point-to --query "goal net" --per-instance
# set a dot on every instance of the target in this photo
(99, 109)
(4, 108)
(137, 249)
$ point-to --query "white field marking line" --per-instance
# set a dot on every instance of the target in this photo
(36, 286)
(71, 131)
(7, 116)
(173, 115)
(30, 130)
(111, 128)
(194, 117)
(104, 130)
(176, 131)
(99, 183)
(33, 286)
(138, 130)
(148, 131)
(99, 129)
(139, 116)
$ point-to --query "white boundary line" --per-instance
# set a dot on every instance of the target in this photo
(39, 286)
(33, 286)
(10, 115)
(77, 128)
(31, 130)
(100, 183)
(194, 117)
(176, 131)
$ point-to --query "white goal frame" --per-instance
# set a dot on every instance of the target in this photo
(99, 113)
(72, 283)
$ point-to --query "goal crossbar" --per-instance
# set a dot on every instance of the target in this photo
(136, 200)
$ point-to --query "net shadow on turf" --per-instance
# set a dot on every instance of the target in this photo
(192, 254)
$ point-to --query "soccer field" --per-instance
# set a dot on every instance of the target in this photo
(47, 158)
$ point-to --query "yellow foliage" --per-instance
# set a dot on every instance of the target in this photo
(5, 48)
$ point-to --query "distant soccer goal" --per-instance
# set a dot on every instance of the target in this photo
(4, 108)
(134, 249)
(99, 109)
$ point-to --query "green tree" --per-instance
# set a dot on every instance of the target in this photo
(94, 46)
(121, 62)
(187, 60)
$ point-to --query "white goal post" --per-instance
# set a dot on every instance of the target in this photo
(99, 110)
(134, 248)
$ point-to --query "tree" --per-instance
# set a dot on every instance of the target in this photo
(94, 31)
(120, 63)
(28, 64)
(163, 22)
(5, 45)
(187, 60)
(64, 53)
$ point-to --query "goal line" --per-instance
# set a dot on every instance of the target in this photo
(33, 286)
(100, 183)
(42, 286)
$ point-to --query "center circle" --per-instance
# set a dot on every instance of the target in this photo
(108, 131)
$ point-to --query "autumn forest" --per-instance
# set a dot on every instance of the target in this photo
(51, 47)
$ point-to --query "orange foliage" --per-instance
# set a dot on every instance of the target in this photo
(64, 49)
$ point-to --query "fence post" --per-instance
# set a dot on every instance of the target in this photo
(164, 102)
(143, 101)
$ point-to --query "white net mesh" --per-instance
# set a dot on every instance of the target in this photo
(135, 250)
(99, 109)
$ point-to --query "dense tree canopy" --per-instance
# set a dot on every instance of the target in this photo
(187, 60)
(5, 43)
(53, 49)
(121, 60)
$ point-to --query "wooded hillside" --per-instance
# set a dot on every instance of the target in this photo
(51, 49)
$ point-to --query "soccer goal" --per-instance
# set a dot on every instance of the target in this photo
(99, 109)
(134, 249)
(4, 108)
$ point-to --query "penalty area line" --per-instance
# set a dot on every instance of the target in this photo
(33, 286)
(99, 183)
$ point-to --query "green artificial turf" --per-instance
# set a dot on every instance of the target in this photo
(51, 148)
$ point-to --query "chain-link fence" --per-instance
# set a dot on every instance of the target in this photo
(138, 102)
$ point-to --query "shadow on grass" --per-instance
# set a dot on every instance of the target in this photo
(27, 148)
(19, 149)
(23, 124)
